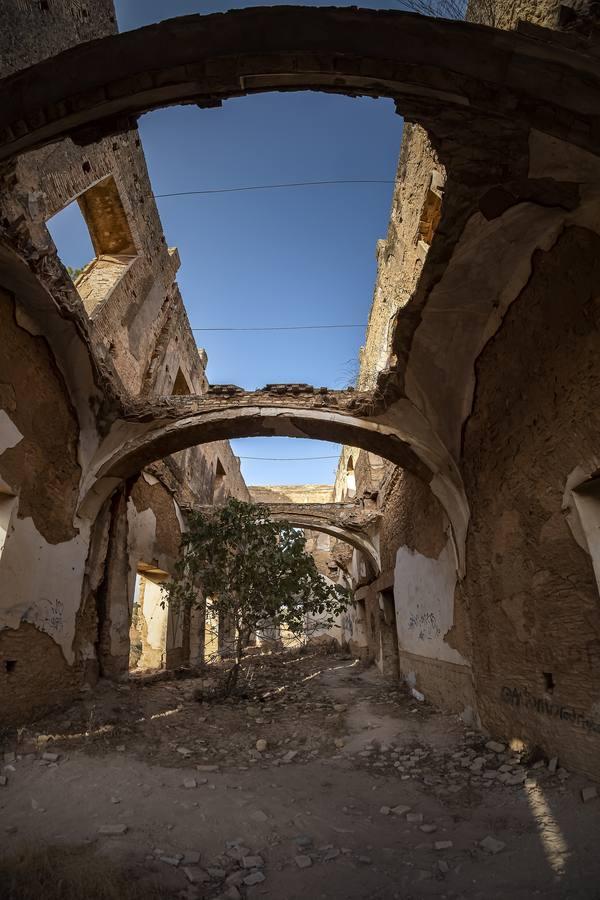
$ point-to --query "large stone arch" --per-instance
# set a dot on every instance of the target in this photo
(401, 435)
(423, 63)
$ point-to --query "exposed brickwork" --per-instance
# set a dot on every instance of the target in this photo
(530, 588)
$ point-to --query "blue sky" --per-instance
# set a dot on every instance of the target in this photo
(299, 256)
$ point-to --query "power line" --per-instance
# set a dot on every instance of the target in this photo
(280, 328)
(288, 458)
(271, 187)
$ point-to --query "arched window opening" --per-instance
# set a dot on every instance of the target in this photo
(180, 387)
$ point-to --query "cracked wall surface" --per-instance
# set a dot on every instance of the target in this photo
(67, 582)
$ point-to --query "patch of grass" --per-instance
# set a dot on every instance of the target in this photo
(70, 873)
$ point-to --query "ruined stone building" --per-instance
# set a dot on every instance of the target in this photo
(127, 308)
(467, 490)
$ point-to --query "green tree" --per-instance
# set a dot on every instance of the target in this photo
(254, 573)
(74, 273)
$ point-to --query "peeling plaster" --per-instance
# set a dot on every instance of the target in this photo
(424, 597)
(10, 435)
(550, 157)
(41, 583)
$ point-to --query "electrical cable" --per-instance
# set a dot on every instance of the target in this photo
(271, 187)
(280, 328)
(288, 458)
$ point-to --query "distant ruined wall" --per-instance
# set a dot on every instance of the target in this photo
(413, 218)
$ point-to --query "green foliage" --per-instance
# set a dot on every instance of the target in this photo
(74, 273)
(253, 572)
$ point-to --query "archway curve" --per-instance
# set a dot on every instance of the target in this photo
(99, 87)
(158, 431)
(354, 539)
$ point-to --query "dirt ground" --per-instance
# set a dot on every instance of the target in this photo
(360, 792)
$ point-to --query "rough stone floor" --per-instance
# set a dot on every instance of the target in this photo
(361, 792)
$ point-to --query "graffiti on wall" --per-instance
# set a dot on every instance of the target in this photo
(526, 701)
(426, 626)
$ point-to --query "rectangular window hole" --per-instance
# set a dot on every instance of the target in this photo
(548, 682)
(94, 240)
(10, 665)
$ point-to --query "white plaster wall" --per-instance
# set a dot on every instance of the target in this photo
(41, 583)
(424, 598)
(155, 615)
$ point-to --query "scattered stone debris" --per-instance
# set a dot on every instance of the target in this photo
(303, 861)
(442, 845)
(492, 845)
(113, 829)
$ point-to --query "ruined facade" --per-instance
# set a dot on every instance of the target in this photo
(512, 644)
(72, 590)
(471, 439)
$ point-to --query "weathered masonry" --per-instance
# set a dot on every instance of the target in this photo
(80, 596)
(473, 432)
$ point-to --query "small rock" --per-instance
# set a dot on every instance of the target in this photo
(190, 783)
(207, 768)
(261, 745)
(195, 875)
(232, 893)
(190, 858)
(112, 829)
(254, 878)
(50, 757)
(252, 862)
(553, 765)
(237, 851)
(303, 862)
(400, 810)
(183, 751)
(303, 840)
(589, 793)
(331, 854)
(495, 746)
(170, 860)
(442, 845)
(3, 780)
(491, 845)
(414, 818)
(365, 860)
(259, 816)
(443, 866)
(289, 756)
(518, 778)
(120, 748)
